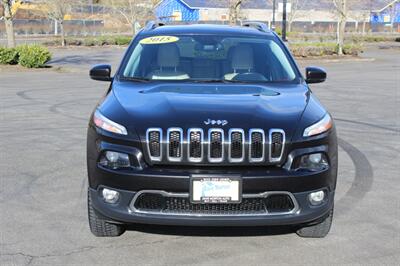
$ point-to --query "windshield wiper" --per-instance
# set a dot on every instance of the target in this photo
(213, 81)
(138, 79)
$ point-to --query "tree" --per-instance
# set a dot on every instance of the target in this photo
(234, 9)
(8, 19)
(392, 13)
(57, 9)
(296, 5)
(133, 11)
(341, 11)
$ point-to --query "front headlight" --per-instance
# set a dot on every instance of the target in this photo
(321, 126)
(103, 122)
(313, 162)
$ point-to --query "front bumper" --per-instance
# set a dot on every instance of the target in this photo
(122, 213)
(177, 180)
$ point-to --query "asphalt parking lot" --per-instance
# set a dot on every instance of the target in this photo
(43, 218)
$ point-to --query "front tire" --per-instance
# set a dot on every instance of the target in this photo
(98, 226)
(319, 230)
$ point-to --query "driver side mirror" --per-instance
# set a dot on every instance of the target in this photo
(101, 72)
(315, 75)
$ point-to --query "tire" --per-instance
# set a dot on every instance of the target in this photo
(319, 230)
(98, 226)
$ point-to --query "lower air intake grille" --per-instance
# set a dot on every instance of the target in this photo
(183, 205)
(158, 203)
(279, 203)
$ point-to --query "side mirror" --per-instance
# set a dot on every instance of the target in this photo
(315, 75)
(101, 72)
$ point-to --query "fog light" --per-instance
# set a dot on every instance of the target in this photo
(110, 196)
(316, 198)
(115, 160)
(315, 158)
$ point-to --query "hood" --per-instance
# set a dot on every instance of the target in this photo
(188, 105)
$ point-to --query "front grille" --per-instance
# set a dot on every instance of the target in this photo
(181, 205)
(215, 146)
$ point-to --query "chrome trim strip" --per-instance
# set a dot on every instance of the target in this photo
(278, 130)
(157, 129)
(216, 160)
(192, 159)
(236, 160)
(295, 209)
(171, 129)
(256, 160)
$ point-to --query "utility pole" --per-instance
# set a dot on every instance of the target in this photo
(284, 21)
(273, 14)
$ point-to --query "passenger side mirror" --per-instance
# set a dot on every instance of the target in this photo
(315, 75)
(101, 72)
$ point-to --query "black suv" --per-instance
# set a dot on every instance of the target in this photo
(207, 125)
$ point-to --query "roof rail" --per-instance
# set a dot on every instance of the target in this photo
(151, 25)
(257, 25)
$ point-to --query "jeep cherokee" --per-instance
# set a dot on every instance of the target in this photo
(210, 125)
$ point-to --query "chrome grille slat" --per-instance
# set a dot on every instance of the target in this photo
(154, 143)
(236, 145)
(195, 144)
(277, 144)
(256, 145)
(215, 145)
(174, 144)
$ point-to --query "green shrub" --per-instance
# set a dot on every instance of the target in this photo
(8, 56)
(122, 40)
(322, 49)
(33, 56)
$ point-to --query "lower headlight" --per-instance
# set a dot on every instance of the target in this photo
(313, 162)
(115, 160)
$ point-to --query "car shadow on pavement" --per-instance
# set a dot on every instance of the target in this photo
(212, 231)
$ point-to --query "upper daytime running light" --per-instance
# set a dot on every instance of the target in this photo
(321, 126)
(103, 122)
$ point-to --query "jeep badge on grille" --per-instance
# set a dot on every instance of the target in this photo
(216, 122)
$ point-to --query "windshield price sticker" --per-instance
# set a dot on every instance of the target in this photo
(159, 40)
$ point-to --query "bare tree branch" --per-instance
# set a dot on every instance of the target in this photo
(8, 19)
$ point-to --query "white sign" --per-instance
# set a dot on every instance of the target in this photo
(288, 7)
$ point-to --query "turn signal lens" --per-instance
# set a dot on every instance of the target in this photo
(103, 122)
(321, 126)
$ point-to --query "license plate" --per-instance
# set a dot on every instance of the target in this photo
(216, 190)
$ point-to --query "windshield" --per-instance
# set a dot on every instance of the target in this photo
(209, 58)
